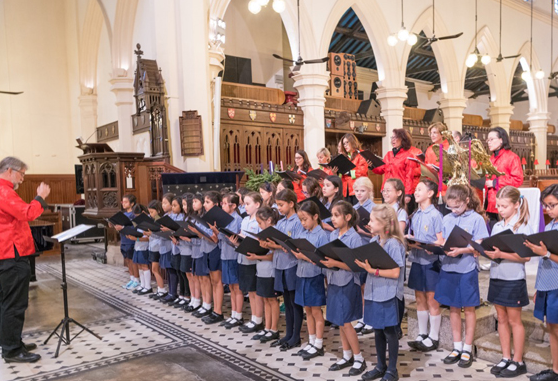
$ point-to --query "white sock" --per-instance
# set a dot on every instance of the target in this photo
(136, 280)
(311, 339)
(237, 315)
(195, 302)
(318, 343)
(435, 322)
(161, 290)
(347, 354)
(206, 306)
(422, 317)
(257, 320)
(358, 357)
(132, 277)
(146, 278)
(458, 346)
(467, 347)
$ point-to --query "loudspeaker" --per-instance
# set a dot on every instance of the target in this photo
(370, 107)
(336, 64)
(411, 95)
(238, 70)
(434, 115)
(78, 171)
(337, 86)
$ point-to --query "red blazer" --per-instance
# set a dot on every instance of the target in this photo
(361, 170)
(15, 215)
(298, 185)
(398, 167)
(509, 163)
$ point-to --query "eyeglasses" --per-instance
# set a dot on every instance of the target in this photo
(549, 207)
(384, 191)
(394, 138)
(491, 139)
(455, 207)
(20, 172)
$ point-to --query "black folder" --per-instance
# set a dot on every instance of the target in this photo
(289, 175)
(363, 218)
(271, 233)
(191, 223)
(169, 223)
(250, 245)
(164, 235)
(549, 238)
(120, 219)
(342, 163)
(243, 215)
(318, 174)
(373, 252)
(184, 232)
(230, 233)
(142, 218)
(130, 230)
(324, 212)
(200, 220)
(496, 240)
(219, 216)
(478, 183)
(330, 250)
(149, 225)
(375, 159)
(457, 238)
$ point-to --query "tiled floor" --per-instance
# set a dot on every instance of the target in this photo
(141, 332)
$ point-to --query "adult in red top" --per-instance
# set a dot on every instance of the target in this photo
(351, 148)
(435, 131)
(505, 161)
(16, 244)
(396, 163)
(302, 167)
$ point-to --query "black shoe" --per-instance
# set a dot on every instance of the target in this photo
(453, 359)
(153, 295)
(146, 291)
(278, 343)
(495, 370)
(327, 323)
(174, 302)
(29, 347)
(191, 308)
(389, 376)
(255, 327)
(23, 356)
(160, 295)
(545, 375)
(286, 346)
(423, 348)
(225, 321)
(346, 364)
(181, 303)
(374, 374)
(465, 363)
(259, 335)
(356, 371)
(234, 323)
(414, 344)
(202, 312)
(269, 336)
(307, 355)
(226, 289)
(301, 352)
(359, 326)
(137, 290)
(213, 318)
(518, 371)
(168, 298)
(367, 331)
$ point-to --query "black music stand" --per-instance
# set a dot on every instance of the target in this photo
(64, 325)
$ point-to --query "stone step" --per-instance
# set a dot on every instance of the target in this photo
(536, 354)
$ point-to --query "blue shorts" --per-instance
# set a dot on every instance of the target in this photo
(200, 266)
(154, 256)
(458, 290)
(508, 293)
(247, 278)
(285, 280)
(344, 304)
(214, 259)
(141, 257)
(423, 277)
(186, 264)
(175, 261)
(546, 304)
(265, 289)
(165, 260)
(310, 292)
(381, 314)
(229, 273)
(127, 250)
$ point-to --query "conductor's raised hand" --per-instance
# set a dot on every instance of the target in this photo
(43, 190)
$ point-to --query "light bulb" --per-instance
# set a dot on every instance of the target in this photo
(279, 5)
(263, 3)
(412, 39)
(223, 38)
(254, 7)
(526, 75)
(471, 60)
(392, 40)
(403, 34)
(486, 59)
(539, 74)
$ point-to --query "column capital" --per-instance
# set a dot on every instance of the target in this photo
(216, 56)
(123, 89)
(500, 115)
(459, 102)
(311, 84)
(538, 118)
(391, 100)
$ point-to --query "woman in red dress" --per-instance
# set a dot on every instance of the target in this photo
(302, 167)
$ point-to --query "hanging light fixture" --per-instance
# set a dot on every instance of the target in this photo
(392, 40)
(475, 56)
(526, 75)
(254, 6)
(403, 34)
(263, 3)
(279, 5)
(412, 39)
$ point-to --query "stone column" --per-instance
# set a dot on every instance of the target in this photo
(453, 112)
(311, 82)
(123, 90)
(538, 125)
(88, 116)
(500, 115)
(391, 101)
(216, 56)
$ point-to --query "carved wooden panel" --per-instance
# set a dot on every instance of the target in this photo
(231, 142)
(273, 146)
(552, 150)
(252, 148)
(107, 133)
(191, 136)
(292, 142)
(63, 188)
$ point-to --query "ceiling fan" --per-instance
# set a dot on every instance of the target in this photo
(11, 92)
(500, 58)
(299, 62)
(431, 40)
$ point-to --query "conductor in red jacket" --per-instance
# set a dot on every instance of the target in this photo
(16, 244)
(505, 161)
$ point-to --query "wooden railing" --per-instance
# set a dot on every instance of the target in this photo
(62, 188)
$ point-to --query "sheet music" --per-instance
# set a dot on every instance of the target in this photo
(71, 233)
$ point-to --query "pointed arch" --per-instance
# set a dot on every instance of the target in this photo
(450, 78)
(495, 71)
(89, 47)
(122, 37)
(372, 18)
(537, 89)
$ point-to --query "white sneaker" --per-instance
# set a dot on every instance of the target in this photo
(133, 285)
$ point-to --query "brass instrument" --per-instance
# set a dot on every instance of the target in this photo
(456, 161)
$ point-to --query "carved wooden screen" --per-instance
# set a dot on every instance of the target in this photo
(231, 137)
(552, 150)
(292, 141)
(158, 132)
(191, 136)
(273, 146)
(523, 144)
(419, 133)
(253, 148)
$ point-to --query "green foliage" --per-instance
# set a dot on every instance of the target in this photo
(255, 179)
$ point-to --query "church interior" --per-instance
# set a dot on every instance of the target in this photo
(146, 97)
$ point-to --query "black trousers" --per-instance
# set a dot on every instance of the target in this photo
(14, 298)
